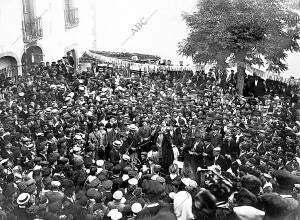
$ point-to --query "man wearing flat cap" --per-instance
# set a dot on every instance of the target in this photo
(291, 164)
(55, 194)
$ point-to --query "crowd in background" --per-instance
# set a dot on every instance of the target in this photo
(160, 145)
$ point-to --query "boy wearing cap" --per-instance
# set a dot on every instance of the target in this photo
(107, 188)
(129, 196)
(117, 203)
(135, 209)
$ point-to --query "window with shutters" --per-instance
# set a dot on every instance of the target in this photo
(71, 15)
(31, 25)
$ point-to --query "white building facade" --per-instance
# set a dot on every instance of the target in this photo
(44, 30)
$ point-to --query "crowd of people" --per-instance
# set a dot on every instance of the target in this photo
(162, 146)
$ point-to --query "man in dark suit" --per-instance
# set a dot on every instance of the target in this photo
(198, 78)
(133, 139)
(259, 87)
(195, 157)
(55, 194)
(193, 131)
(232, 79)
(290, 164)
(239, 137)
(93, 139)
(111, 136)
(145, 135)
(145, 131)
(229, 146)
(114, 155)
(219, 159)
(187, 144)
(106, 191)
(70, 59)
(216, 137)
(116, 177)
(294, 98)
(208, 153)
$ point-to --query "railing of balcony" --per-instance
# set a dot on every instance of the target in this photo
(71, 18)
(32, 31)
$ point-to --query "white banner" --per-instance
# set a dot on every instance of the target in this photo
(141, 66)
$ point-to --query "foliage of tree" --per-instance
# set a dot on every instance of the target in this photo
(246, 32)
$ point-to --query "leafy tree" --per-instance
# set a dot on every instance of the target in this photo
(246, 32)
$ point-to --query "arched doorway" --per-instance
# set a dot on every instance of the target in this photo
(33, 54)
(8, 67)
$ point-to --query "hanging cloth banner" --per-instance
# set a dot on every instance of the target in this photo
(141, 66)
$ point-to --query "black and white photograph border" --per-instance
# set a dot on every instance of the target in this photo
(139, 109)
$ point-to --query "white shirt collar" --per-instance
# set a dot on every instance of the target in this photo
(152, 205)
(172, 176)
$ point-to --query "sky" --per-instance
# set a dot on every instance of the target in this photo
(159, 36)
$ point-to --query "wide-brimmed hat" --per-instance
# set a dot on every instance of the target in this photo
(133, 127)
(117, 143)
(23, 198)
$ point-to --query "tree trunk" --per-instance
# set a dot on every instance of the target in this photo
(297, 106)
(241, 70)
(298, 114)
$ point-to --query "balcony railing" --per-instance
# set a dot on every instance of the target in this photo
(71, 18)
(32, 31)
